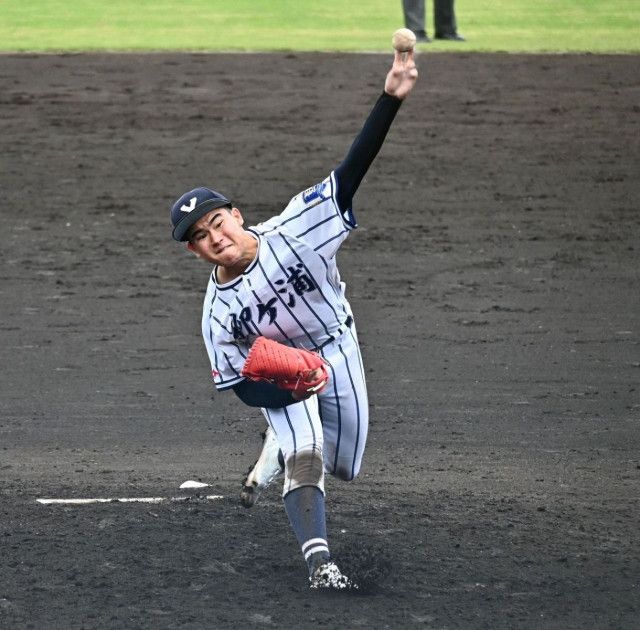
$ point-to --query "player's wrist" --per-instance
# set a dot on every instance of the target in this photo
(393, 97)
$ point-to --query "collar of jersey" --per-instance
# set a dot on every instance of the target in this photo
(252, 264)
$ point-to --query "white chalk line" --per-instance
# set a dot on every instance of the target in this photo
(209, 497)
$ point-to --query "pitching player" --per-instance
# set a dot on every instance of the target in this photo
(279, 280)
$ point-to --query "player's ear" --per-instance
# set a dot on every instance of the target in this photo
(237, 214)
(192, 249)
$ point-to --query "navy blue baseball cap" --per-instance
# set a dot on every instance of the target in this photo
(193, 205)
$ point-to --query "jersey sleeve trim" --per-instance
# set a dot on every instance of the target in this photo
(228, 384)
(346, 214)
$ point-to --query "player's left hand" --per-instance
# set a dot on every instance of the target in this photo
(314, 376)
(402, 76)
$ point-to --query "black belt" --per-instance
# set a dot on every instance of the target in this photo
(347, 324)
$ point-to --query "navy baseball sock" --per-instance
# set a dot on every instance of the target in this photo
(305, 509)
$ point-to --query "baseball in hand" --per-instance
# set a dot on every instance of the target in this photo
(403, 40)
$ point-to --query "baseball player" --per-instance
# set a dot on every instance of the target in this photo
(279, 280)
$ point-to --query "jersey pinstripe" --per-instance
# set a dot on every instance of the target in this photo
(291, 292)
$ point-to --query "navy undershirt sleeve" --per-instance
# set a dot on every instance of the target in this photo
(364, 149)
(261, 394)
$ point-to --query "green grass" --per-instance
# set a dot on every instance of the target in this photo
(602, 26)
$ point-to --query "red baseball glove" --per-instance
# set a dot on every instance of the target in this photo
(300, 371)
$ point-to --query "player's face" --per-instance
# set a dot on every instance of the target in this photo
(219, 238)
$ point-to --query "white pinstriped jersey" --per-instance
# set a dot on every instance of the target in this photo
(291, 292)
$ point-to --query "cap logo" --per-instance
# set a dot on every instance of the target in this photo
(189, 208)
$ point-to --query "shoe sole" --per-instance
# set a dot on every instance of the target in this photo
(250, 492)
(248, 497)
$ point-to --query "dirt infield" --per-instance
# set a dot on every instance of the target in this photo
(495, 284)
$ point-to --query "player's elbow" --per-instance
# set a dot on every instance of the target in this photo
(260, 394)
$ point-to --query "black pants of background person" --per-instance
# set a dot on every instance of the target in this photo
(444, 19)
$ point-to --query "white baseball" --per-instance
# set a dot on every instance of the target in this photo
(403, 40)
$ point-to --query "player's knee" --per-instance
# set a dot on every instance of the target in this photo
(304, 468)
